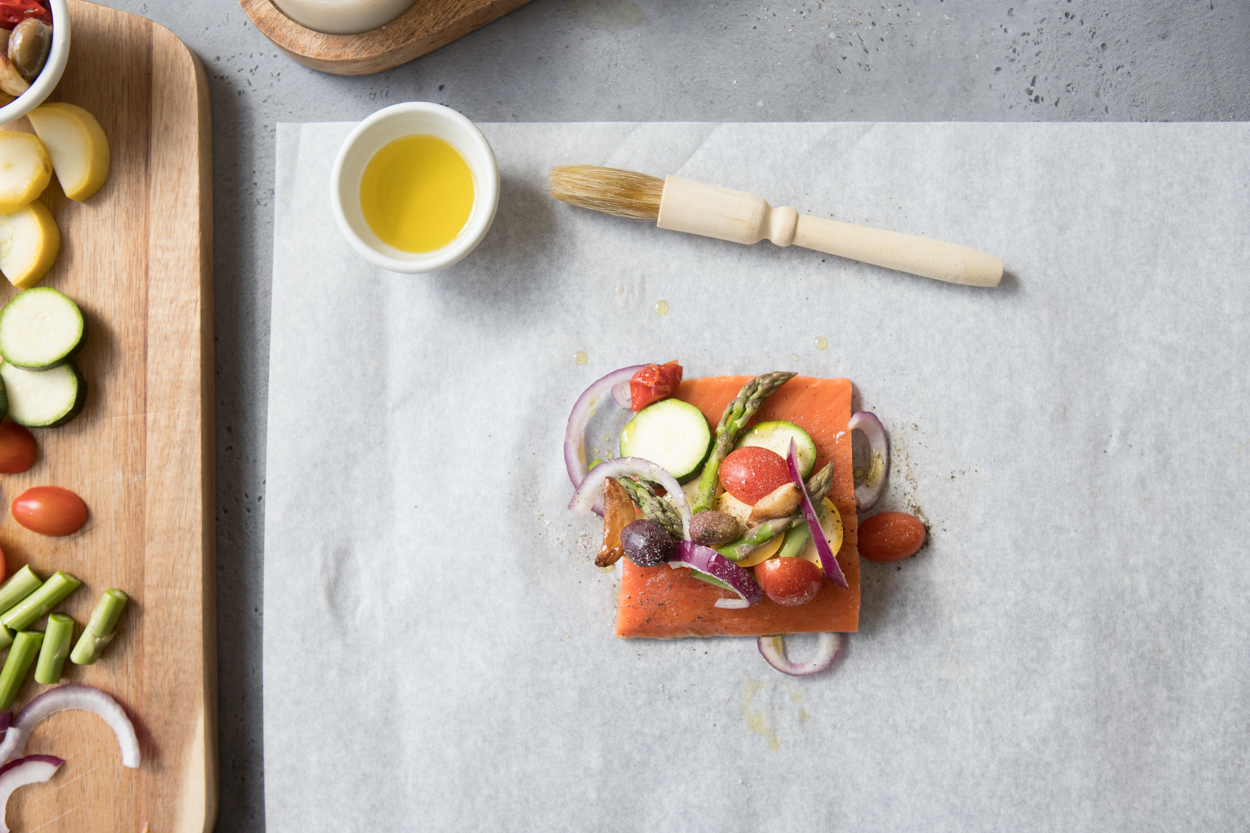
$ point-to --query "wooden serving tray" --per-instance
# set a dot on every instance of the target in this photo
(136, 258)
(425, 27)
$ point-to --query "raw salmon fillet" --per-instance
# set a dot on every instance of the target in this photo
(663, 603)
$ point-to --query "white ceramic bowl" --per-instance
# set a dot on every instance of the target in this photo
(52, 70)
(384, 127)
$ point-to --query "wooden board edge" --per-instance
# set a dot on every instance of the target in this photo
(415, 33)
(197, 811)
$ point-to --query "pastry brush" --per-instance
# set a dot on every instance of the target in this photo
(684, 205)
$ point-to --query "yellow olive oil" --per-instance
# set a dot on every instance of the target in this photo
(417, 193)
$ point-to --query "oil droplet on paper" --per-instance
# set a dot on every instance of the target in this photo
(756, 721)
(661, 308)
(821, 342)
(580, 357)
(794, 357)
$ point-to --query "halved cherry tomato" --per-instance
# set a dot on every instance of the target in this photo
(17, 448)
(13, 12)
(653, 383)
(891, 536)
(789, 581)
(751, 472)
(50, 510)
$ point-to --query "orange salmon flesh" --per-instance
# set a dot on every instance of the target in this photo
(664, 603)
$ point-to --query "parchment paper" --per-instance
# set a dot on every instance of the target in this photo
(1069, 653)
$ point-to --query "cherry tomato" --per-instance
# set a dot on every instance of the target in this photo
(789, 581)
(751, 472)
(4, 567)
(50, 510)
(653, 383)
(13, 12)
(17, 448)
(891, 536)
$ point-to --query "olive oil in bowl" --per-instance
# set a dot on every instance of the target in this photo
(417, 193)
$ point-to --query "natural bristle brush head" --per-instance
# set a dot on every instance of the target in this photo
(608, 190)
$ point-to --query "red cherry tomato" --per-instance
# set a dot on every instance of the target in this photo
(50, 510)
(891, 536)
(653, 383)
(751, 472)
(4, 567)
(17, 448)
(13, 12)
(789, 581)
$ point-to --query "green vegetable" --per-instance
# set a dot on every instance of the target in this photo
(653, 506)
(20, 585)
(44, 398)
(56, 639)
(732, 422)
(101, 628)
(37, 604)
(796, 541)
(21, 655)
(670, 433)
(40, 328)
(776, 436)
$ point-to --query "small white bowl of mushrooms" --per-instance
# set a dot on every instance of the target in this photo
(32, 58)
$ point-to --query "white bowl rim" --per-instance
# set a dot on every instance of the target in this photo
(486, 181)
(52, 71)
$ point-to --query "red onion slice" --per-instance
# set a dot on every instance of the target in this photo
(64, 697)
(707, 560)
(33, 769)
(869, 491)
(589, 495)
(827, 560)
(583, 408)
(773, 650)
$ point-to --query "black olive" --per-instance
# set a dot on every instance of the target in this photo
(646, 543)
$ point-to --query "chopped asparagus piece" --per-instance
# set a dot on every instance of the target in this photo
(101, 628)
(37, 604)
(21, 655)
(56, 639)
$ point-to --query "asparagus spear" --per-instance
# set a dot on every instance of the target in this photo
(101, 627)
(817, 487)
(653, 506)
(732, 421)
(21, 655)
(56, 639)
(51, 594)
(20, 585)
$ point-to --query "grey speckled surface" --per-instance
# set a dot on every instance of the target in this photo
(592, 60)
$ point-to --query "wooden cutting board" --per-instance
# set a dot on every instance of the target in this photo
(137, 259)
(425, 27)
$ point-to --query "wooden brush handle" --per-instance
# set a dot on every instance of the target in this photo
(711, 211)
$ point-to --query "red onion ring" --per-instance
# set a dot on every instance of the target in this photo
(64, 697)
(589, 495)
(828, 562)
(773, 650)
(33, 769)
(870, 490)
(707, 560)
(574, 432)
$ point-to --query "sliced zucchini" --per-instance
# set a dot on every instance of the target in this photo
(776, 436)
(672, 434)
(44, 398)
(40, 329)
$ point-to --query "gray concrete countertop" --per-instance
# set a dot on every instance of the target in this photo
(638, 60)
